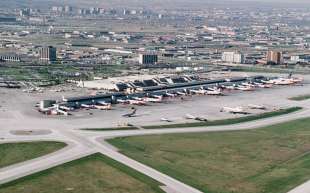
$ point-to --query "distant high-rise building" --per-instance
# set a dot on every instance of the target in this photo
(48, 54)
(125, 12)
(148, 58)
(68, 9)
(25, 12)
(274, 57)
(233, 57)
(54, 8)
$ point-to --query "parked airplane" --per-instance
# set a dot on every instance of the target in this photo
(181, 93)
(261, 85)
(295, 80)
(33, 89)
(214, 91)
(234, 110)
(132, 114)
(103, 107)
(283, 81)
(232, 87)
(200, 91)
(122, 101)
(138, 98)
(245, 88)
(65, 108)
(137, 102)
(247, 84)
(158, 96)
(253, 106)
(170, 94)
(189, 116)
(131, 101)
(87, 106)
(166, 120)
(103, 103)
(54, 110)
(153, 100)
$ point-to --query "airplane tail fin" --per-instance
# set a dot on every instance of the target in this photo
(290, 75)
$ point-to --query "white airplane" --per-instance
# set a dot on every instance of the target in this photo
(189, 116)
(138, 98)
(214, 91)
(132, 102)
(136, 102)
(166, 120)
(158, 96)
(170, 94)
(261, 107)
(200, 91)
(153, 100)
(122, 101)
(234, 110)
(268, 81)
(103, 107)
(233, 87)
(245, 88)
(283, 81)
(86, 106)
(57, 90)
(247, 84)
(33, 89)
(103, 103)
(297, 80)
(261, 85)
(181, 93)
(54, 110)
(59, 111)
(132, 114)
(65, 108)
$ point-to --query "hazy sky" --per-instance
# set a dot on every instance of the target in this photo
(154, 3)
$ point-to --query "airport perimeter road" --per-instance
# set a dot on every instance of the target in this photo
(172, 184)
(74, 150)
(304, 188)
(82, 143)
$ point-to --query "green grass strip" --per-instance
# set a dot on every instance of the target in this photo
(300, 98)
(97, 156)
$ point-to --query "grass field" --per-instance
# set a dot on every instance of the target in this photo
(300, 98)
(11, 153)
(92, 174)
(273, 159)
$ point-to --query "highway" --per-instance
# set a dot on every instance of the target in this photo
(82, 143)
